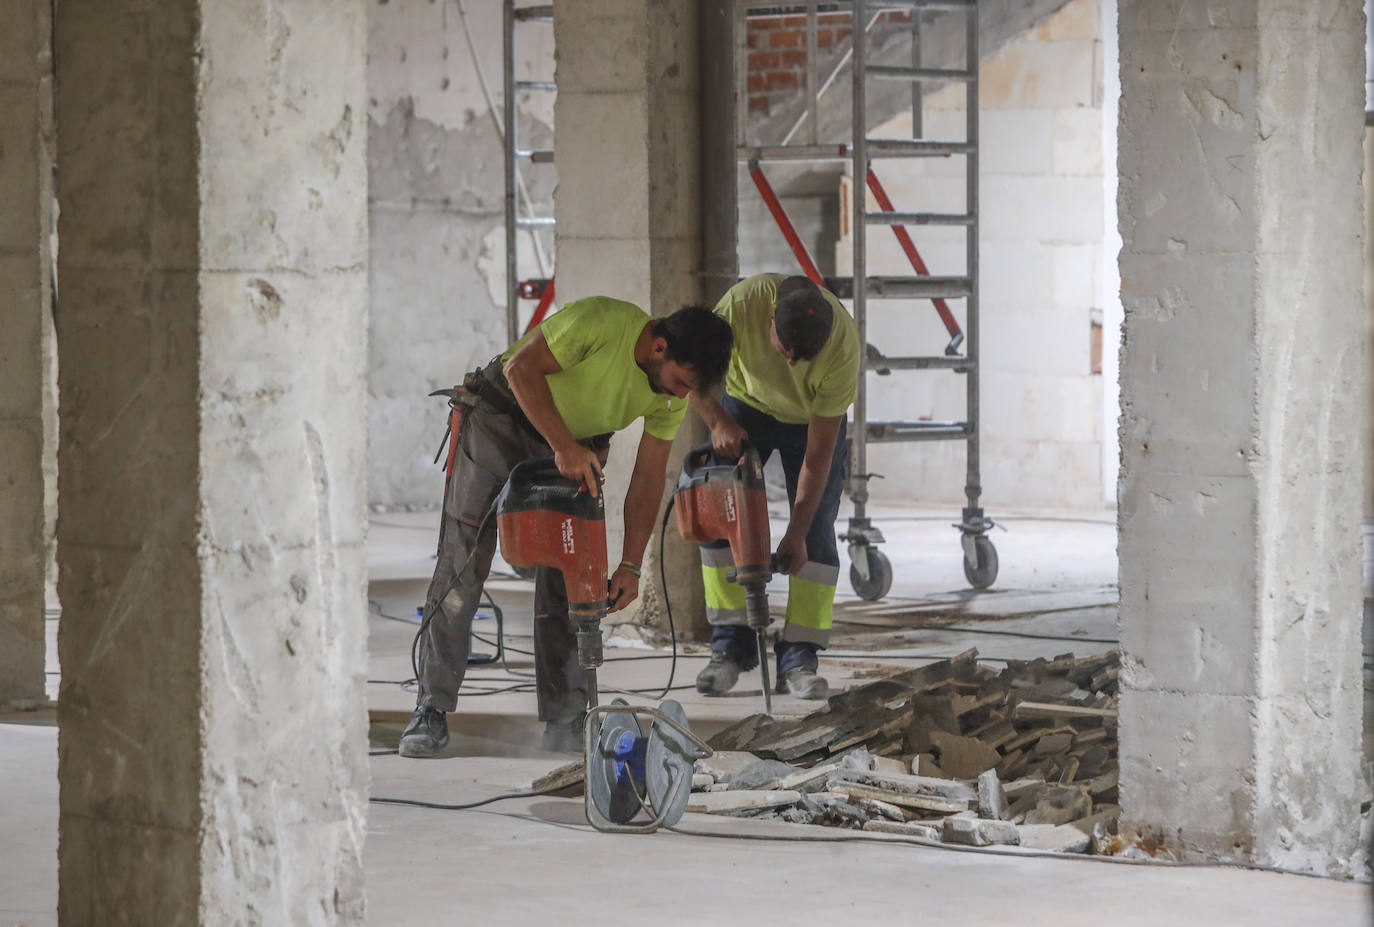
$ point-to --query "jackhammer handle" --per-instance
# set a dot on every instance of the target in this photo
(539, 470)
(702, 453)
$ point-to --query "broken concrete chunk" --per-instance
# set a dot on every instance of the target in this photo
(1053, 744)
(912, 785)
(816, 776)
(881, 809)
(744, 732)
(762, 774)
(1060, 805)
(932, 803)
(992, 800)
(702, 781)
(909, 829)
(979, 832)
(1103, 786)
(1019, 787)
(923, 764)
(740, 800)
(963, 757)
(724, 765)
(1054, 838)
(886, 764)
(1063, 712)
(565, 776)
(858, 758)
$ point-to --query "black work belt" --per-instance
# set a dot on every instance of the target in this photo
(490, 386)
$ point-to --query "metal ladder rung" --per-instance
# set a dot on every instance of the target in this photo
(919, 287)
(537, 156)
(918, 431)
(535, 85)
(793, 153)
(534, 13)
(905, 147)
(918, 218)
(883, 364)
(893, 72)
(921, 4)
(534, 222)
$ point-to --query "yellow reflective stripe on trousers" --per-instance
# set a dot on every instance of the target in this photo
(811, 604)
(724, 600)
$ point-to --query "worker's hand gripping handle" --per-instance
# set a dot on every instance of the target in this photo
(700, 456)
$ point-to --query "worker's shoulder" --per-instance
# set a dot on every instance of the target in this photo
(605, 304)
(759, 288)
(604, 312)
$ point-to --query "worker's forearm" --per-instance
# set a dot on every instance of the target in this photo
(709, 410)
(531, 389)
(810, 487)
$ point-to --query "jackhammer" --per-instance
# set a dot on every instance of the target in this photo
(545, 519)
(728, 502)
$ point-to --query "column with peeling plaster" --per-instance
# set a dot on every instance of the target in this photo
(212, 758)
(1242, 459)
(629, 217)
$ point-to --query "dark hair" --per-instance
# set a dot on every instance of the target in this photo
(700, 339)
(803, 317)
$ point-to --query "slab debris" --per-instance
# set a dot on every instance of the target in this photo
(951, 751)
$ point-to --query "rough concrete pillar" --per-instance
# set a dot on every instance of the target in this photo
(25, 195)
(211, 564)
(1240, 495)
(627, 208)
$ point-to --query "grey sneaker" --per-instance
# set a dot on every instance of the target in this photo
(563, 737)
(425, 735)
(803, 682)
(719, 676)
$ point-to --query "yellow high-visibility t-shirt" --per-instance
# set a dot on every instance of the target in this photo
(824, 386)
(600, 387)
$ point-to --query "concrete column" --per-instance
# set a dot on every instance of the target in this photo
(211, 524)
(1240, 492)
(25, 195)
(628, 211)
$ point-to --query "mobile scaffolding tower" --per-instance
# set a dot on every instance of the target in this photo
(537, 288)
(871, 572)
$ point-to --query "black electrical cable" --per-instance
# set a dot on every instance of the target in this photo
(466, 806)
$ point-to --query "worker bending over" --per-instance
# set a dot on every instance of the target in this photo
(586, 371)
(794, 372)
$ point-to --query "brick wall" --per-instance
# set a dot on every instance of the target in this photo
(777, 52)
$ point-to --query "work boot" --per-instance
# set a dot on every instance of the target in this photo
(563, 737)
(803, 682)
(719, 676)
(425, 735)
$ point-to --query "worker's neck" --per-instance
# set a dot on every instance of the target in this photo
(644, 345)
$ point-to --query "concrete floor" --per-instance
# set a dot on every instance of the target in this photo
(520, 861)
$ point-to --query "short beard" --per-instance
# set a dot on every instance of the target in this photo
(655, 374)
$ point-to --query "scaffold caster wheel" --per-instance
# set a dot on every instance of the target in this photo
(983, 573)
(879, 576)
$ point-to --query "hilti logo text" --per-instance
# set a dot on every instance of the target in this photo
(730, 506)
(568, 545)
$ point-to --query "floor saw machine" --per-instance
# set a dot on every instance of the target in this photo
(639, 759)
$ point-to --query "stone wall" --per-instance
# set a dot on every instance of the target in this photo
(436, 204)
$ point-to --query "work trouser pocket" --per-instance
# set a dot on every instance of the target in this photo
(490, 445)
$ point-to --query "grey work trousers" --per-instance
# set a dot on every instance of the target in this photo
(490, 444)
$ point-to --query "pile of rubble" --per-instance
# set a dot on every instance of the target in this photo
(952, 751)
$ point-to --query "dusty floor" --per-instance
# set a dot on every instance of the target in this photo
(521, 861)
